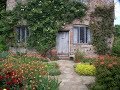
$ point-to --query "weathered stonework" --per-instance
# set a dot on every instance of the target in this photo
(88, 49)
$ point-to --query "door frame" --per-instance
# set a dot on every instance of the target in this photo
(68, 42)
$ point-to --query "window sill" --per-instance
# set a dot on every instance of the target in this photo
(82, 44)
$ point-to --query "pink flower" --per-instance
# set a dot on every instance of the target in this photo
(102, 63)
(101, 57)
(110, 65)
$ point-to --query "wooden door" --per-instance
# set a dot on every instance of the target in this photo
(62, 42)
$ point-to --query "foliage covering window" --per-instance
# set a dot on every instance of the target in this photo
(44, 18)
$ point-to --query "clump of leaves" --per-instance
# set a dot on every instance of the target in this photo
(102, 28)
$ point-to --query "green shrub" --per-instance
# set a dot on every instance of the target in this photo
(2, 48)
(107, 73)
(54, 72)
(85, 69)
(53, 69)
(78, 56)
(116, 47)
(48, 84)
(4, 54)
(88, 60)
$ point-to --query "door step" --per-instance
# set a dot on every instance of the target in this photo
(63, 57)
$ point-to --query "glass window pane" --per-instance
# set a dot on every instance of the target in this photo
(82, 35)
(23, 34)
(75, 35)
(18, 34)
(88, 36)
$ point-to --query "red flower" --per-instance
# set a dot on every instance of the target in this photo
(101, 63)
(12, 73)
(9, 83)
(1, 77)
(16, 80)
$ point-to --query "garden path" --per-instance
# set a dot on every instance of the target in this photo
(70, 80)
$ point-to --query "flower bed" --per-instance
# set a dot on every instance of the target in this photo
(28, 73)
(107, 73)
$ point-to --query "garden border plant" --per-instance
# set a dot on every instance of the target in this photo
(43, 18)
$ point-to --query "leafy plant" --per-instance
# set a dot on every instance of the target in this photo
(102, 28)
(107, 73)
(117, 30)
(85, 69)
(116, 49)
(78, 56)
(4, 55)
(54, 72)
(88, 60)
(116, 45)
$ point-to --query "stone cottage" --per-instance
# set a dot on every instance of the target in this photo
(74, 36)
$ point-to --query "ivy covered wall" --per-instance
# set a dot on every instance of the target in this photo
(44, 19)
(102, 26)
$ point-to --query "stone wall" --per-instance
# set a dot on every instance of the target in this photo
(88, 49)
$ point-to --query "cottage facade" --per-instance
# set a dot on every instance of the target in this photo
(77, 35)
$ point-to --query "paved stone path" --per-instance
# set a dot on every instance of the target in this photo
(70, 80)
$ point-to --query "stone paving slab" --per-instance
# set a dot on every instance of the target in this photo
(69, 79)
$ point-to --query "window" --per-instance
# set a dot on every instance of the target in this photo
(81, 34)
(82, 1)
(22, 34)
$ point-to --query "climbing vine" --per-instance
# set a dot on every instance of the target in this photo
(44, 18)
(102, 21)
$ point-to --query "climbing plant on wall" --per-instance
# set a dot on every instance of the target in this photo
(44, 18)
(2, 35)
(102, 21)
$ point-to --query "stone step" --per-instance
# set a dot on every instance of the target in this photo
(63, 57)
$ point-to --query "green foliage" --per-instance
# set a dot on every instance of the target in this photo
(117, 30)
(48, 84)
(54, 72)
(53, 69)
(2, 4)
(78, 56)
(116, 47)
(4, 55)
(107, 73)
(85, 69)
(102, 27)
(44, 19)
(87, 60)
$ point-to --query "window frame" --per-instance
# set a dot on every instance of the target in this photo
(19, 34)
(87, 34)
